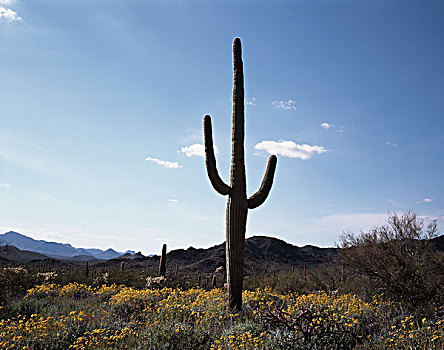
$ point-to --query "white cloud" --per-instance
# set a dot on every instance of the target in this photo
(289, 105)
(427, 200)
(196, 149)
(9, 15)
(4, 185)
(7, 2)
(173, 200)
(327, 126)
(290, 149)
(391, 144)
(251, 102)
(167, 164)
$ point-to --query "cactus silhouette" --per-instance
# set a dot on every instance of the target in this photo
(238, 203)
(162, 263)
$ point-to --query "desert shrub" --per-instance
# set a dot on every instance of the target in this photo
(15, 281)
(245, 335)
(399, 260)
(25, 307)
(173, 336)
(119, 317)
(284, 339)
(129, 277)
(76, 291)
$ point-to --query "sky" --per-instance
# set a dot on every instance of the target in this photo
(101, 107)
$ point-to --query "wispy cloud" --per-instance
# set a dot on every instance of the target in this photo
(427, 200)
(167, 164)
(196, 149)
(289, 105)
(173, 200)
(9, 15)
(326, 125)
(352, 221)
(29, 155)
(4, 185)
(7, 2)
(388, 143)
(290, 149)
(251, 102)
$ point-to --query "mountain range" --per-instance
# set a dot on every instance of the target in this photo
(55, 250)
(261, 253)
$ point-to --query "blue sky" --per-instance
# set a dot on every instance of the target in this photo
(101, 107)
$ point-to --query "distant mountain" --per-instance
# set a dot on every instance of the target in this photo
(108, 254)
(136, 257)
(56, 250)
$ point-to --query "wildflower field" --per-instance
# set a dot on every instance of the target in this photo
(78, 316)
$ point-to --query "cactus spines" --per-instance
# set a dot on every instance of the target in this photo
(162, 263)
(238, 203)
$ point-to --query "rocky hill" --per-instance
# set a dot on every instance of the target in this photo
(14, 255)
(261, 253)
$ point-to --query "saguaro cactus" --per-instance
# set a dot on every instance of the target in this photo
(214, 283)
(162, 263)
(238, 203)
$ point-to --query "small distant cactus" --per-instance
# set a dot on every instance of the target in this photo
(238, 203)
(162, 263)
(214, 284)
(87, 269)
(122, 266)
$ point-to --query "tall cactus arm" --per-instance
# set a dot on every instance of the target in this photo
(261, 195)
(210, 159)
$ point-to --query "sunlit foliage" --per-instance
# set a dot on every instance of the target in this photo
(77, 316)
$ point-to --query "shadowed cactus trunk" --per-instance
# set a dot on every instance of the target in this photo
(238, 203)
(162, 263)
